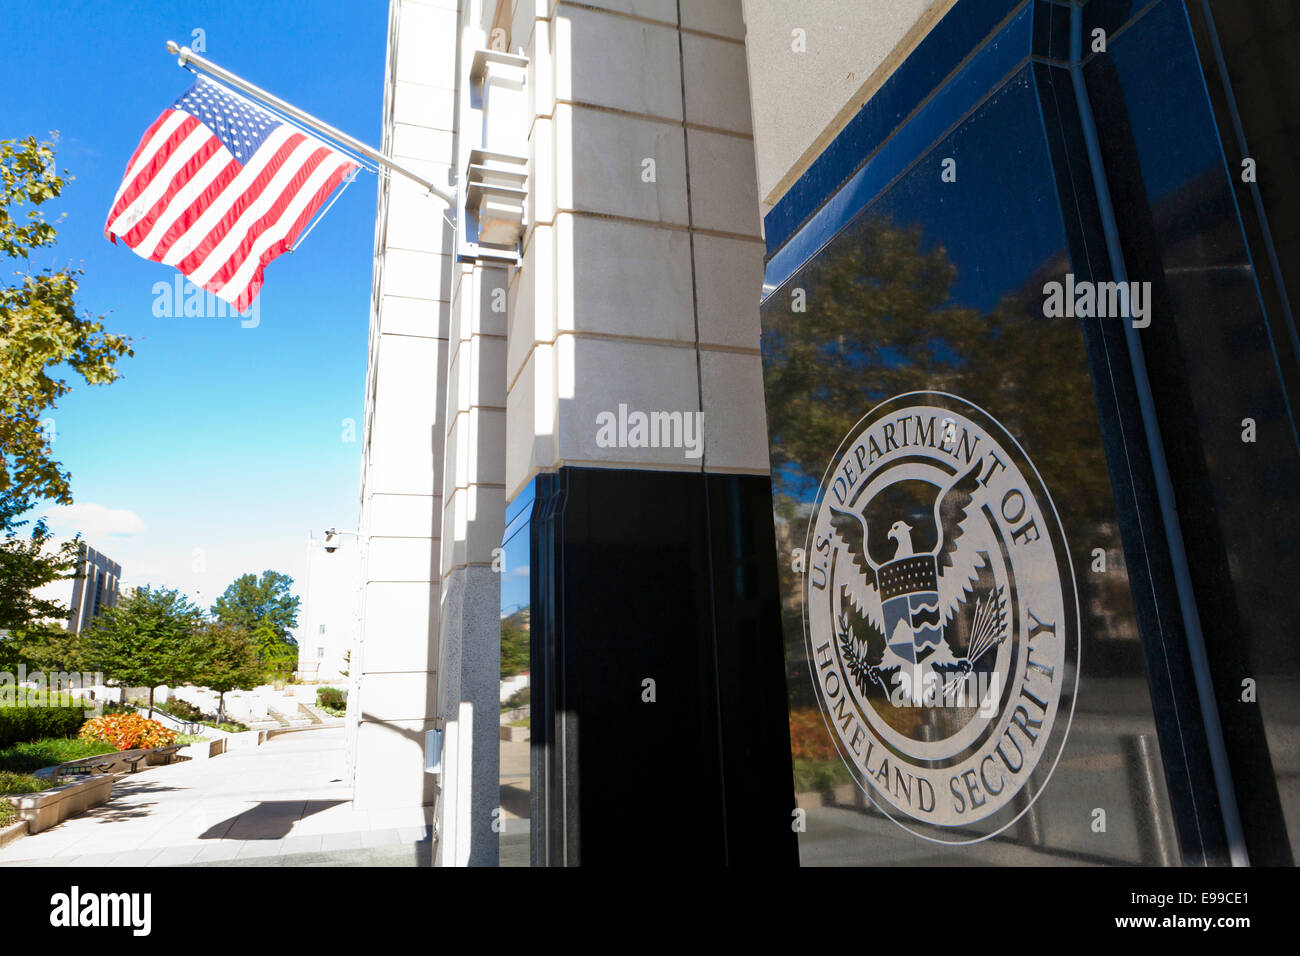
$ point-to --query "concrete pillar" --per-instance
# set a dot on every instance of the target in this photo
(638, 289)
(394, 668)
(643, 257)
(469, 661)
(473, 517)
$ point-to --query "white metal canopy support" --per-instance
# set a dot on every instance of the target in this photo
(186, 56)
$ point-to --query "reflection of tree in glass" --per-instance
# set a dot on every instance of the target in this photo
(514, 643)
(880, 321)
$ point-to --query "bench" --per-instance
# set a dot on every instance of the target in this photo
(127, 761)
(164, 755)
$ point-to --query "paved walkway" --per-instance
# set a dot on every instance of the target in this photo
(284, 803)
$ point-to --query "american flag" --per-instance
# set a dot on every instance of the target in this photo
(218, 187)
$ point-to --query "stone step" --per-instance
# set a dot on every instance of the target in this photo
(284, 721)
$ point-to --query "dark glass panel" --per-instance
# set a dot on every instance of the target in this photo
(940, 286)
(1219, 352)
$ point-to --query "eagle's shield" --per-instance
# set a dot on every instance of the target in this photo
(913, 623)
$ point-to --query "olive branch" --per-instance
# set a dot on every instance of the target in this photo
(860, 669)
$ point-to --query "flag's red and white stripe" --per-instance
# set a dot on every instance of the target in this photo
(187, 201)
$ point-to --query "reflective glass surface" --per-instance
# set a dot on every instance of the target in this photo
(1222, 351)
(516, 626)
(998, 471)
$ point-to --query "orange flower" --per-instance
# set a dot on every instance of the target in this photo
(808, 737)
(127, 732)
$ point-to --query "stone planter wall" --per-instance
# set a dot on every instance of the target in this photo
(15, 831)
(51, 807)
(204, 749)
(514, 733)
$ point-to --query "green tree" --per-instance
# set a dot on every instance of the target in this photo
(267, 610)
(514, 644)
(227, 661)
(253, 602)
(40, 334)
(148, 638)
(277, 655)
(31, 625)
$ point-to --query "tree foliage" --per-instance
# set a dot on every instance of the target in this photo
(881, 321)
(515, 644)
(227, 661)
(31, 622)
(264, 604)
(40, 333)
(150, 637)
(266, 609)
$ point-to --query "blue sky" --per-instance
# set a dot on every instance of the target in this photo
(220, 447)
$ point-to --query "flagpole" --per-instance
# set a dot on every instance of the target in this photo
(188, 56)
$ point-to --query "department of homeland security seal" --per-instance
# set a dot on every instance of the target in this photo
(941, 617)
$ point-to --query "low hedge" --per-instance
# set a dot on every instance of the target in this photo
(16, 783)
(21, 724)
(38, 754)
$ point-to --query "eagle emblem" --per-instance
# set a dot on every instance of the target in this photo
(941, 622)
(909, 598)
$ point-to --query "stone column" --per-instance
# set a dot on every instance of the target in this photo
(394, 667)
(469, 662)
(659, 721)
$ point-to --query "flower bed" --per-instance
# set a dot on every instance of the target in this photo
(128, 732)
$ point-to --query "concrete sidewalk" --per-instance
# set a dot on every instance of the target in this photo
(284, 803)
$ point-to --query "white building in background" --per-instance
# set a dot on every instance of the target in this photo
(94, 586)
(328, 630)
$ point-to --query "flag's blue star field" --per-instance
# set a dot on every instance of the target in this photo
(239, 125)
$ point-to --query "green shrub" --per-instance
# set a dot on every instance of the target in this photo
(16, 783)
(520, 698)
(819, 775)
(11, 696)
(181, 710)
(230, 726)
(37, 754)
(20, 724)
(331, 698)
